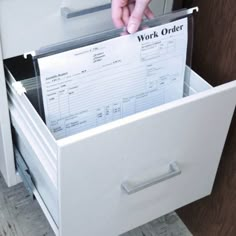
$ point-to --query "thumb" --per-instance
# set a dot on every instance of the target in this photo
(137, 15)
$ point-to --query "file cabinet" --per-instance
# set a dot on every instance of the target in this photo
(113, 178)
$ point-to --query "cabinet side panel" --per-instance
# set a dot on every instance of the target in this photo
(7, 165)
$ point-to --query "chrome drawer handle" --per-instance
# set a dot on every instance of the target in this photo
(131, 187)
(67, 13)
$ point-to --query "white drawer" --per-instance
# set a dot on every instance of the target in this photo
(83, 176)
(35, 24)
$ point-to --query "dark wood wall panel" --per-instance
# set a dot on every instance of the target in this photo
(214, 53)
(214, 58)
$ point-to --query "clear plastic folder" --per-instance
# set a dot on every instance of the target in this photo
(107, 76)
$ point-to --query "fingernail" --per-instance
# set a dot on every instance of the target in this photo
(132, 28)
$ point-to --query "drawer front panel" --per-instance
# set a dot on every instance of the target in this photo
(35, 24)
(138, 152)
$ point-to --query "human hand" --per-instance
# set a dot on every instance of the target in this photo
(129, 13)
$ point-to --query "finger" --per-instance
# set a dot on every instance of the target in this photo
(125, 16)
(149, 13)
(117, 12)
(137, 15)
(131, 8)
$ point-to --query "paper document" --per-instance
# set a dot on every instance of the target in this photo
(103, 82)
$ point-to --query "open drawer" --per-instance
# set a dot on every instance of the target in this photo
(113, 178)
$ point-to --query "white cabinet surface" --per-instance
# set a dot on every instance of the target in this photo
(7, 163)
(119, 175)
(31, 24)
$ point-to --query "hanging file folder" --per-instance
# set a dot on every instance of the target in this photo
(105, 77)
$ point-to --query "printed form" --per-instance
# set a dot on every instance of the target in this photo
(93, 85)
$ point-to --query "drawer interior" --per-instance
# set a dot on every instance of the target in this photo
(22, 70)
